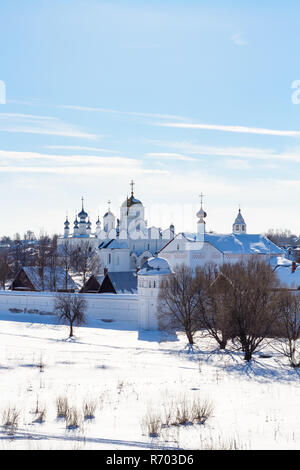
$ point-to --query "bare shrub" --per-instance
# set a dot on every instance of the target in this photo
(168, 413)
(62, 407)
(41, 364)
(183, 413)
(73, 418)
(232, 443)
(41, 414)
(89, 409)
(10, 419)
(151, 423)
(201, 411)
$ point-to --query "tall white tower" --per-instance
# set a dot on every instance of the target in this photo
(82, 221)
(67, 228)
(108, 220)
(88, 227)
(150, 276)
(201, 214)
(76, 227)
(132, 214)
(98, 227)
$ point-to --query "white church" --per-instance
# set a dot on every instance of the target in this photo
(122, 244)
(128, 247)
(196, 249)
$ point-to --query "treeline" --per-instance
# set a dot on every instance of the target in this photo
(283, 237)
(44, 252)
(238, 305)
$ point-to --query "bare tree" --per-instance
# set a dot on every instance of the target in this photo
(65, 252)
(252, 302)
(180, 303)
(43, 256)
(5, 270)
(215, 305)
(84, 260)
(52, 262)
(71, 309)
(281, 237)
(288, 327)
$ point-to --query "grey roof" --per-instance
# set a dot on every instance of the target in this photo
(124, 282)
(33, 273)
(114, 244)
(154, 266)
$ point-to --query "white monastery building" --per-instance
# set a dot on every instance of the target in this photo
(123, 244)
(128, 246)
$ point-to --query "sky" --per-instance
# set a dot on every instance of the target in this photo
(184, 97)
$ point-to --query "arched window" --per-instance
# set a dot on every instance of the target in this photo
(109, 258)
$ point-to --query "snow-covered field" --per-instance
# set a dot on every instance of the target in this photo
(129, 375)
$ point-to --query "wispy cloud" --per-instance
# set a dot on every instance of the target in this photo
(47, 125)
(239, 129)
(121, 113)
(78, 170)
(238, 152)
(79, 147)
(170, 156)
(236, 164)
(238, 40)
(44, 158)
(33, 162)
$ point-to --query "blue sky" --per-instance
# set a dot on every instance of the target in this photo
(182, 96)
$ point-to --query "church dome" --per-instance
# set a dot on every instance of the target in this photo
(154, 266)
(201, 214)
(130, 201)
(82, 214)
(108, 213)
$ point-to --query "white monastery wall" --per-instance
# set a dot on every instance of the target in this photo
(121, 307)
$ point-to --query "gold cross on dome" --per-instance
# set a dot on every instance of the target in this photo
(132, 184)
(201, 198)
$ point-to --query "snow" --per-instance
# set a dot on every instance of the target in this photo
(280, 261)
(242, 243)
(128, 373)
(154, 266)
(287, 277)
(33, 273)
